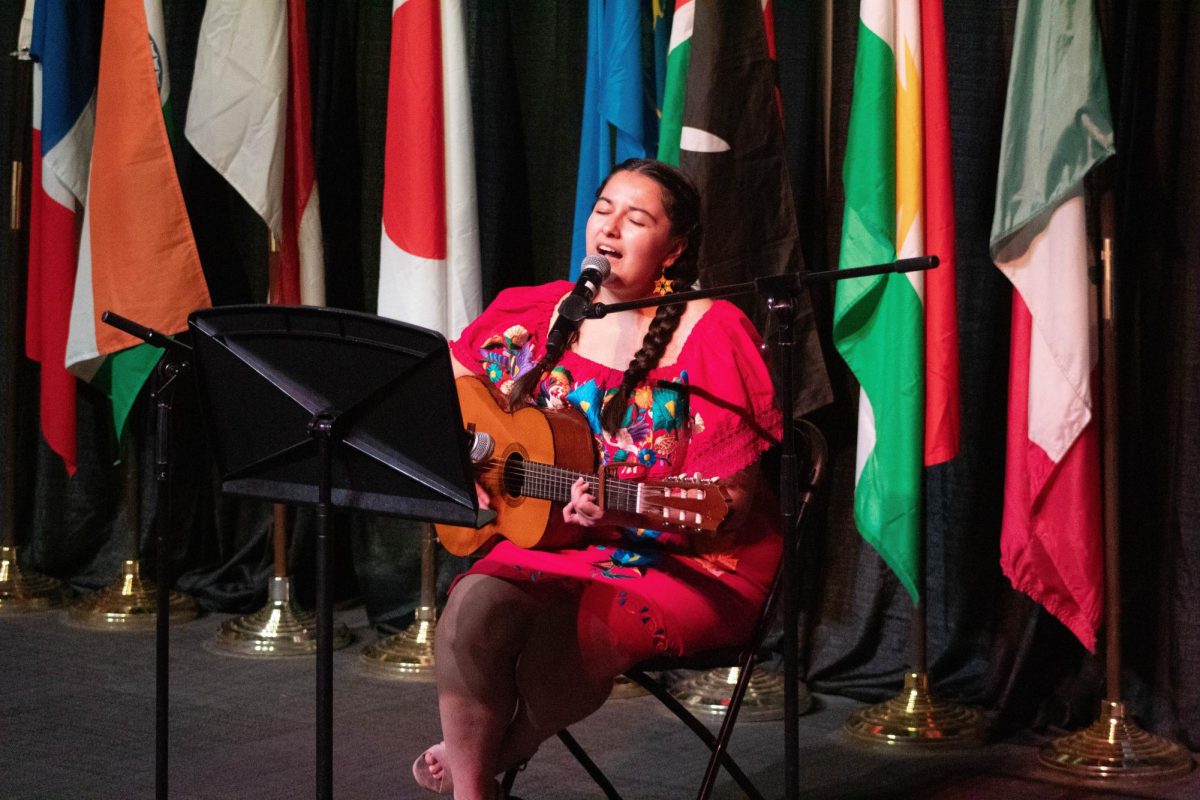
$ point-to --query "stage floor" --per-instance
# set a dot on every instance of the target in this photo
(78, 710)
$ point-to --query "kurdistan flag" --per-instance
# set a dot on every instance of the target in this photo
(137, 256)
(879, 321)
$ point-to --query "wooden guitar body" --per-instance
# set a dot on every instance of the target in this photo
(529, 435)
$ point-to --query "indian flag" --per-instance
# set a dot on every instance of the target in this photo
(880, 322)
(137, 255)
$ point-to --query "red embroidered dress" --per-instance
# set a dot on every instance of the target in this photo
(713, 412)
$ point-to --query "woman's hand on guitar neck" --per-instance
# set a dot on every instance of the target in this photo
(582, 509)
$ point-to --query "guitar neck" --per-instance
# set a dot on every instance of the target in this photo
(547, 482)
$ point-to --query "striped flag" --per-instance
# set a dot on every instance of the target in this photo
(731, 146)
(899, 204)
(25, 31)
(302, 260)
(941, 309)
(679, 55)
(148, 271)
(65, 45)
(429, 271)
(1050, 543)
(613, 99)
(250, 117)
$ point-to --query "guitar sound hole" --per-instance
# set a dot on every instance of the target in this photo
(514, 475)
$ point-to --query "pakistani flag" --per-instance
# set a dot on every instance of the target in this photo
(879, 321)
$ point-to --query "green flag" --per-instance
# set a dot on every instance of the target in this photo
(878, 321)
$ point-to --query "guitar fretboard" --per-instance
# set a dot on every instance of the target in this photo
(547, 482)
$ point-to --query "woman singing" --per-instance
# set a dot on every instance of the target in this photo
(531, 640)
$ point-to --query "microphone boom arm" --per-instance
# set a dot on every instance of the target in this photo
(769, 285)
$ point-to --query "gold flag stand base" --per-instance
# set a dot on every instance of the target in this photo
(710, 692)
(914, 717)
(22, 591)
(129, 604)
(280, 629)
(625, 688)
(407, 655)
(1113, 749)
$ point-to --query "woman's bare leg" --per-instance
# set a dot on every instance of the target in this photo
(479, 637)
(564, 673)
(512, 671)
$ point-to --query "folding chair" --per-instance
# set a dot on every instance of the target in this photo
(812, 453)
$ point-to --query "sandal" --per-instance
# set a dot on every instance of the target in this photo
(424, 778)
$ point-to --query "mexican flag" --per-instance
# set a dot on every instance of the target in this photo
(898, 204)
(1057, 126)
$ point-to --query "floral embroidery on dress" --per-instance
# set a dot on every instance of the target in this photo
(652, 438)
(507, 355)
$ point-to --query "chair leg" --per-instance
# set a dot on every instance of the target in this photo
(510, 777)
(585, 760)
(719, 748)
(717, 745)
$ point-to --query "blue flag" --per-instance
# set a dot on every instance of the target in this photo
(613, 101)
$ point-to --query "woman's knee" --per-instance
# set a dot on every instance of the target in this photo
(485, 613)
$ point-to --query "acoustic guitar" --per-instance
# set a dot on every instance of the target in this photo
(538, 454)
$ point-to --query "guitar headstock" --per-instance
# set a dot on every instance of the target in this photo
(681, 502)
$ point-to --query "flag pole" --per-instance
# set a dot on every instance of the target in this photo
(1114, 747)
(20, 590)
(916, 716)
(408, 654)
(280, 628)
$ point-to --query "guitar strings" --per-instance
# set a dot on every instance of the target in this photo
(534, 476)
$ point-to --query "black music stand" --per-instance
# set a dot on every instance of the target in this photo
(333, 408)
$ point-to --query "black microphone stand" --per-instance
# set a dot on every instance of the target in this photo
(780, 293)
(175, 362)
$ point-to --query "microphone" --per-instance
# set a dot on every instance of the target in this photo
(481, 445)
(592, 272)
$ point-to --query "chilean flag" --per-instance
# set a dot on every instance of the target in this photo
(429, 253)
(66, 51)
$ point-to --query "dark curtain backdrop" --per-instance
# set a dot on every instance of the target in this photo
(987, 644)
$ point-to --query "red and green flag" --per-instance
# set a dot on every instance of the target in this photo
(898, 332)
(1057, 126)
